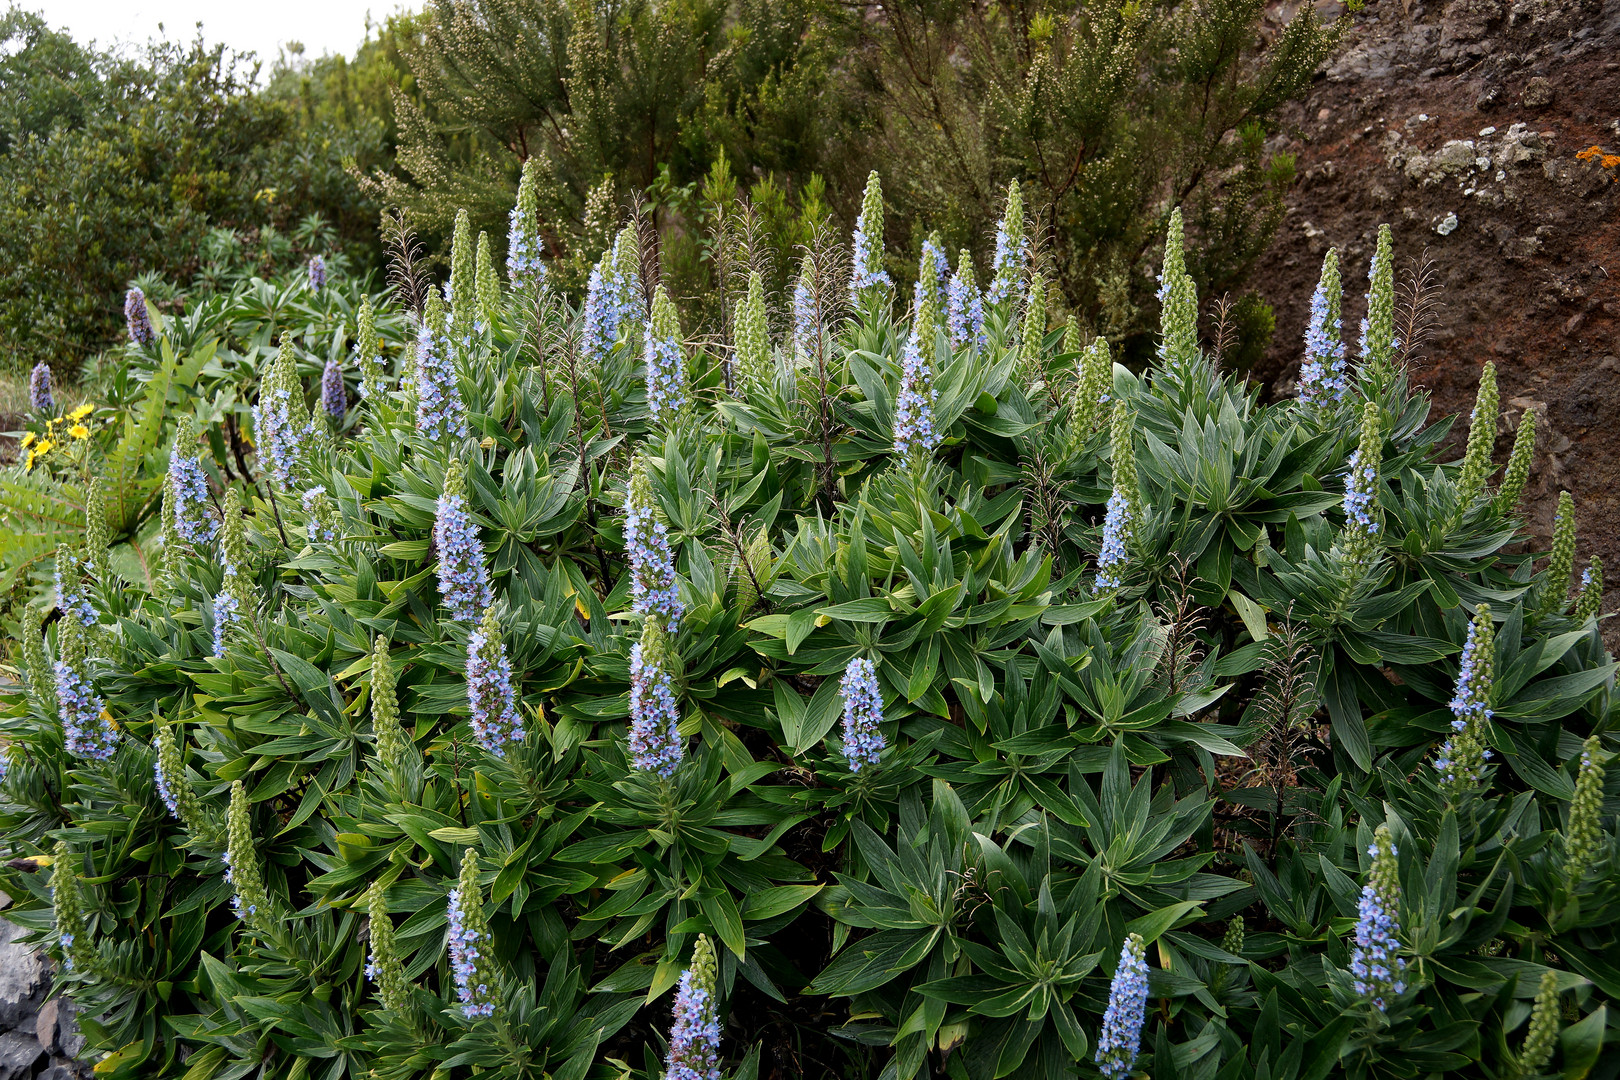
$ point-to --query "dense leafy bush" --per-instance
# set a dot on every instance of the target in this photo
(898, 695)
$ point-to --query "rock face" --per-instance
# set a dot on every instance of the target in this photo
(1462, 124)
(39, 1038)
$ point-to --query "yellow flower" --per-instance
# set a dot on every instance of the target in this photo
(44, 447)
(82, 411)
(79, 431)
(28, 440)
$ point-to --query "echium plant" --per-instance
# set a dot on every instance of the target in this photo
(385, 969)
(1324, 374)
(525, 249)
(235, 601)
(67, 900)
(1477, 465)
(653, 588)
(174, 787)
(86, 728)
(1007, 267)
(863, 740)
(463, 577)
(964, 306)
(1377, 969)
(1178, 300)
(752, 369)
(665, 357)
(914, 434)
(866, 245)
(320, 515)
(488, 301)
(926, 296)
(97, 538)
(334, 398)
(806, 313)
(1378, 342)
(1124, 508)
(188, 487)
(469, 944)
(1032, 333)
(694, 1037)
(317, 273)
(281, 421)
(137, 320)
(393, 745)
(632, 296)
(1121, 1037)
(40, 398)
(1542, 1037)
(495, 720)
(656, 745)
(1561, 561)
(249, 899)
(441, 413)
(368, 354)
(1583, 834)
(1462, 757)
(1093, 378)
(71, 595)
(1517, 472)
(602, 313)
(1589, 601)
(41, 675)
(1358, 543)
(460, 291)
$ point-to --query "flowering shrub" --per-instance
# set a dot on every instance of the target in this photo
(607, 704)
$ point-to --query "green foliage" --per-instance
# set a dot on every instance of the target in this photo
(1195, 760)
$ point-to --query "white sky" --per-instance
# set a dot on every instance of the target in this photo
(324, 26)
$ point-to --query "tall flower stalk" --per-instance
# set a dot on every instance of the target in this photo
(964, 306)
(385, 969)
(249, 899)
(752, 329)
(137, 320)
(1358, 543)
(525, 250)
(86, 729)
(1324, 375)
(1477, 465)
(1517, 473)
(863, 740)
(1178, 300)
(867, 243)
(496, 723)
(665, 358)
(317, 273)
(1583, 834)
(653, 587)
(1375, 964)
(1378, 341)
(914, 433)
(1561, 562)
(393, 745)
(694, 1037)
(463, 578)
(656, 745)
(67, 902)
(281, 421)
(368, 354)
(174, 786)
(468, 939)
(441, 414)
(188, 485)
(1462, 757)
(40, 398)
(1012, 248)
(1121, 1037)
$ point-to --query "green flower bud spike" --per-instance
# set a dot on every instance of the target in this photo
(368, 354)
(1178, 299)
(41, 677)
(1518, 466)
(234, 547)
(1095, 380)
(1561, 563)
(96, 538)
(1589, 604)
(393, 746)
(1477, 465)
(249, 899)
(1071, 335)
(1010, 253)
(471, 950)
(1543, 1034)
(1359, 541)
(385, 969)
(175, 785)
(1378, 342)
(1583, 835)
(488, 285)
(1232, 942)
(928, 317)
(463, 279)
(73, 936)
(1032, 335)
(753, 339)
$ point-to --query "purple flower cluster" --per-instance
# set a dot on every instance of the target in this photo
(1121, 1037)
(1116, 531)
(863, 712)
(318, 517)
(653, 589)
(1358, 493)
(495, 719)
(463, 578)
(39, 388)
(227, 613)
(71, 596)
(137, 318)
(524, 267)
(464, 957)
(85, 730)
(440, 412)
(694, 1038)
(317, 273)
(1379, 972)
(964, 311)
(666, 377)
(189, 487)
(279, 433)
(914, 433)
(868, 259)
(608, 303)
(655, 738)
(334, 399)
(1323, 377)
(1462, 757)
(1008, 261)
